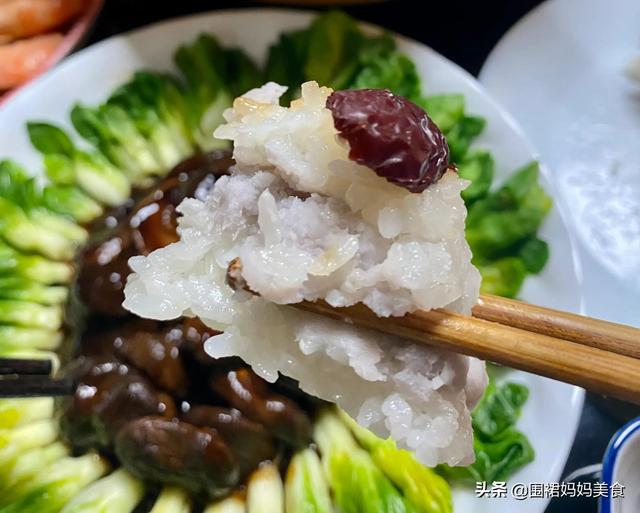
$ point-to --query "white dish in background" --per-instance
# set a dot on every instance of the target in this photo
(551, 416)
(561, 72)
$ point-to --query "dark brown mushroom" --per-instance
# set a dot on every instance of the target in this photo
(131, 373)
(108, 396)
(249, 393)
(250, 441)
(157, 353)
(173, 452)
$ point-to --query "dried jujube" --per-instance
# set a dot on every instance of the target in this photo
(390, 135)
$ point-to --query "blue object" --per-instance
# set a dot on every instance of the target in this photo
(625, 434)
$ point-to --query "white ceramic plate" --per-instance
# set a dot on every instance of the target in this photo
(551, 415)
(561, 72)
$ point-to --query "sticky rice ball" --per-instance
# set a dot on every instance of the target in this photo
(308, 222)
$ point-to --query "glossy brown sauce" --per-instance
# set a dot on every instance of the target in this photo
(147, 394)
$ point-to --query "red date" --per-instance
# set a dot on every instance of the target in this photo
(390, 135)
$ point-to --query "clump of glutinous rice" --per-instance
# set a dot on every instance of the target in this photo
(308, 223)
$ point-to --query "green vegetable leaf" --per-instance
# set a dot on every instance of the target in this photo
(241, 73)
(33, 267)
(502, 277)
(499, 409)
(204, 65)
(18, 187)
(59, 169)
(87, 123)
(534, 254)
(332, 49)
(110, 129)
(357, 483)
(98, 178)
(13, 442)
(71, 201)
(306, 489)
(478, 169)
(446, 110)
(495, 461)
(498, 460)
(381, 66)
(19, 412)
(29, 464)
(285, 62)
(508, 216)
(17, 338)
(21, 232)
(166, 95)
(30, 315)
(119, 492)
(49, 139)
(462, 134)
(334, 52)
(21, 289)
(518, 187)
(54, 486)
(423, 487)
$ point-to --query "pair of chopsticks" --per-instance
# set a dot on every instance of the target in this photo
(600, 356)
(30, 378)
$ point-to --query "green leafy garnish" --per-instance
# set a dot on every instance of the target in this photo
(478, 168)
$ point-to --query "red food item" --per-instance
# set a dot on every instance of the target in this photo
(390, 135)
(24, 59)
(25, 18)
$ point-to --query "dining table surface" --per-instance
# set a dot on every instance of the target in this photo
(464, 32)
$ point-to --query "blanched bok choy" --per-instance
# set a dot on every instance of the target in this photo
(357, 484)
(265, 491)
(26, 224)
(33, 267)
(306, 488)
(119, 492)
(172, 500)
(18, 412)
(17, 338)
(156, 108)
(233, 504)
(55, 485)
(366, 473)
(214, 77)
(66, 165)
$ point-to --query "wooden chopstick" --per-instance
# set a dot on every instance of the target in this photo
(594, 368)
(609, 336)
(35, 386)
(597, 355)
(25, 367)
